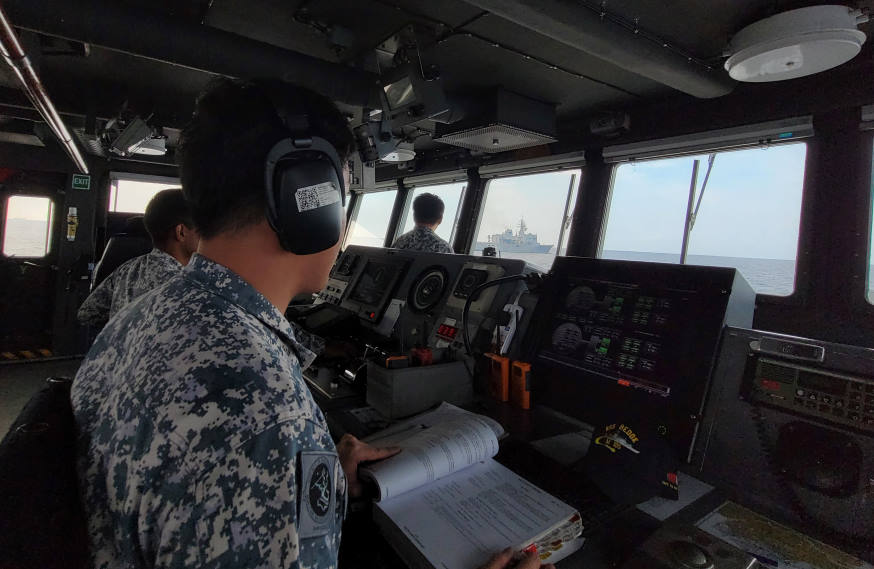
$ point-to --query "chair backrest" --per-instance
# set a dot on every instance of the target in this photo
(120, 248)
(42, 524)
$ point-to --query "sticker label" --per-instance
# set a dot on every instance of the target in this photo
(314, 197)
(81, 182)
(318, 493)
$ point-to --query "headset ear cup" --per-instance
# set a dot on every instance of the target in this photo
(304, 195)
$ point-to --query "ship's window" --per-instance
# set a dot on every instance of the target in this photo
(370, 223)
(871, 253)
(747, 216)
(451, 196)
(528, 217)
(131, 193)
(28, 228)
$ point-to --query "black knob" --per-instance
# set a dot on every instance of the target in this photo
(689, 555)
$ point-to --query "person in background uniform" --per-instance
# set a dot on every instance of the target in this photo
(168, 222)
(427, 215)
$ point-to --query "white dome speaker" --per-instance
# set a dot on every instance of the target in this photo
(795, 44)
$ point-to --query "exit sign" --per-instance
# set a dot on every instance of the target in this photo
(81, 182)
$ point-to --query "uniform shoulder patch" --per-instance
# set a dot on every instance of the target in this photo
(318, 493)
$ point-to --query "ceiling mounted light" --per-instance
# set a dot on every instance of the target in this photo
(796, 43)
(402, 153)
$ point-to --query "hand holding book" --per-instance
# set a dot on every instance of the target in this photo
(509, 559)
(444, 502)
(352, 453)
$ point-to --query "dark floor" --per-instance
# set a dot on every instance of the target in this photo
(19, 381)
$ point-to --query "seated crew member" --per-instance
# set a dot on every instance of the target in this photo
(168, 222)
(199, 443)
(427, 215)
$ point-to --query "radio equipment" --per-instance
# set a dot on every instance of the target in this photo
(823, 394)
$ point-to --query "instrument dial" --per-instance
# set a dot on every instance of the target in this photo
(580, 299)
(567, 338)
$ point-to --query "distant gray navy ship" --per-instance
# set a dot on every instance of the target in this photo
(520, 242)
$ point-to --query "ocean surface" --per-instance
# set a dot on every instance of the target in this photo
(767, 276)
(25, 238)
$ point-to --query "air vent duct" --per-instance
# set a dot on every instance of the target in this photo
(510, 122)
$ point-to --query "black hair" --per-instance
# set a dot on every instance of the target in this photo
(222, 151)
(428, 209)
(165, 211)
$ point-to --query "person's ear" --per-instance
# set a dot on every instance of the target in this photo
(179, 232)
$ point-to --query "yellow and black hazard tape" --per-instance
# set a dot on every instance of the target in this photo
(26, 355)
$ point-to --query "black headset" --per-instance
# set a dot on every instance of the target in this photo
(306, 194)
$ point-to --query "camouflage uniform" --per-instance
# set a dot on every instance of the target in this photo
(127, 282)
(422, 238)
(199, 444)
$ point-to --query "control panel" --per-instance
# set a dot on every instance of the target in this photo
(827, 395)
(417, 298)
(630, 341)
(787, 430)
(332, 293)
(620, 332)
(448, 331)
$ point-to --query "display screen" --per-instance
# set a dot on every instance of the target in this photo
(373, 287)
(400, 93)
(618, 331)
(375, 280)
(470, 279)
(824, 383)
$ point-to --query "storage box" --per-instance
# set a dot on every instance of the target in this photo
(401, 392)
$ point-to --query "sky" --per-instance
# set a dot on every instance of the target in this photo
(132, 196)
(751, 206)
(28, 207)
(538, 198)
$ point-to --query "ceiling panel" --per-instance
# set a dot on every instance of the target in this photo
(451, 12)
(702, 27)
(471, 63)
(190, 10)
(270, 21)
(7, 77)
(108, 78)
(273, 21)
(512, 35)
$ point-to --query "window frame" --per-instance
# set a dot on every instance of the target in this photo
(800, 294)
(866, 252)
(574, 190)
(51, 245)
(116, 176)
(410, 188)
(356, 207)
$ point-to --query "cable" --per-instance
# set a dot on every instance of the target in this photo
(472, 296)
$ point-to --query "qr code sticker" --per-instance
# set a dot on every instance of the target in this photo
(307, 199)
(314, 197)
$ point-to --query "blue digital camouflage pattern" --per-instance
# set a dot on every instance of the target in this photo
(130, 280)
(422, 238)
(199, 443)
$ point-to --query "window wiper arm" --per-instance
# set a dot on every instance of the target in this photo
(710, 160)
